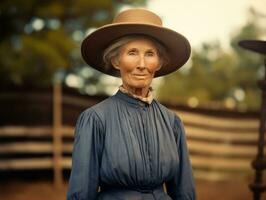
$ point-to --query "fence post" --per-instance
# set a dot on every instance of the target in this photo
(57, 135)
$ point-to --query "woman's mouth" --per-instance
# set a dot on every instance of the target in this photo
(140, 76)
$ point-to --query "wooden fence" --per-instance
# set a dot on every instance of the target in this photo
(220, 146)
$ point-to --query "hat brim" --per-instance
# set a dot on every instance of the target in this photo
(178, 47)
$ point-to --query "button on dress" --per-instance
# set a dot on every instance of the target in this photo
(129, 149)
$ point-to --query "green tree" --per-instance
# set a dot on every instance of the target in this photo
(216, 77)
(38, 38)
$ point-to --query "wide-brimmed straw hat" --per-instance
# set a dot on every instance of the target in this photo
(135, 21)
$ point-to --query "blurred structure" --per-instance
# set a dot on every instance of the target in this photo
(259, 164)
(221, 142)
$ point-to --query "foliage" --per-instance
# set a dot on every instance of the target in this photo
(219, 78)
(39, 38)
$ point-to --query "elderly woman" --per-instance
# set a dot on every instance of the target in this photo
(128, 146)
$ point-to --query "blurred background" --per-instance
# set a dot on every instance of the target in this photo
(45, 85)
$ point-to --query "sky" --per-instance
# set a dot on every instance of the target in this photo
(205, 20)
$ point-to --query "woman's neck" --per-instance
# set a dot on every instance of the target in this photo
(142, 92)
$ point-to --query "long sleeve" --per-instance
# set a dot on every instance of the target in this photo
(181, 187)
(86, 157)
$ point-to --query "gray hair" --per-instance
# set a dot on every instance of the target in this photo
(113, 50)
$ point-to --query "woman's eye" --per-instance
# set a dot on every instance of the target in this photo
(150, 54)
(132, 53)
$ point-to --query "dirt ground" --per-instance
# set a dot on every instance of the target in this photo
(43, 189)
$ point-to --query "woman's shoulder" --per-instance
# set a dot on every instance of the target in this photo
(167, 112)
(100, 109)
(164, 108)
(173, 116)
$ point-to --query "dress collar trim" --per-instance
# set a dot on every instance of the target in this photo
(129, 99)
(147, 99)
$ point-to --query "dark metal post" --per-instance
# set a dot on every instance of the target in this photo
(259, 163)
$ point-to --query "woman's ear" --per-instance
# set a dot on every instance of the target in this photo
(115, 63)
(159, 66)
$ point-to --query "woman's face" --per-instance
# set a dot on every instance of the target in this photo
(138, 61)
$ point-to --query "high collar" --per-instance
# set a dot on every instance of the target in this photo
(130, 99)
(148, 99)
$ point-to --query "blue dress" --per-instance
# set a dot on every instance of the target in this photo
(129, 149)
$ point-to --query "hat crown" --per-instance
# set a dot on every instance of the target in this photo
(138, 15)
(131, 22)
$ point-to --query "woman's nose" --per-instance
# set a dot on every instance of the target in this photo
(141, 64)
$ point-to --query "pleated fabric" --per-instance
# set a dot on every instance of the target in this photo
(128, 149)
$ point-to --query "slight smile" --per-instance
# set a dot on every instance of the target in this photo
(140, 75)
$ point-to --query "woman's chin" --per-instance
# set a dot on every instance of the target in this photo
(140, 84)
(141, 87)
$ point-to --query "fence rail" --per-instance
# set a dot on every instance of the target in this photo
(219, 146)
